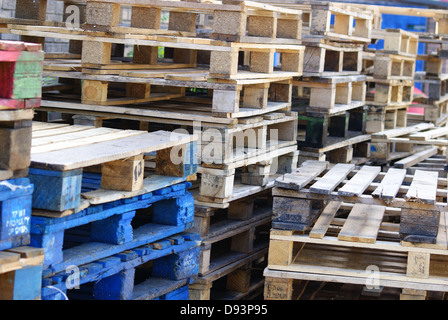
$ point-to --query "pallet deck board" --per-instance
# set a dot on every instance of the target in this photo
(360, 181)
(332, 178)
(304, 175)
(423, 187)
(390, 184)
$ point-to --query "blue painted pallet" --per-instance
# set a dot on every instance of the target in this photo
(15, 212)
(175, 263)
(112, 227)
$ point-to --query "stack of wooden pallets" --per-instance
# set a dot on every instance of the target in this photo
(332, 92)
(20, 89)
(106, 202)
(434, 84)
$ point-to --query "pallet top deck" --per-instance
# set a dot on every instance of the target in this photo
(64, 149)
(366, 185)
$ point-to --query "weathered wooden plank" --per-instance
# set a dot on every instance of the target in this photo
(360, 181)
(88, 155)
(391, 183)
(423, 187)
(332, 178)
(324, 220)
(362, 224)
(416, 158)
(305, 174)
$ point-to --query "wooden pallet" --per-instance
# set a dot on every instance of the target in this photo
(434, 87)
(15, 210)
(21, 273)
(329, 59)
(220, 186)
(391, 66)
(433, 64)
(222, 148)
(220, 145)
(120, 276)
(399, 41)
(331, 94)
(389, 92)
(350, 23)
(242, 21)
(233, 19)
(319, 130)
(366, 188)
(380, 118)
(59, 155)
(227, 244)
(339, 250)
(213, 221)
(111, 227)
(416, 142)
(21, 70)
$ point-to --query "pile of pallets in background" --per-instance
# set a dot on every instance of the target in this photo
(331, 95)
(20, 89)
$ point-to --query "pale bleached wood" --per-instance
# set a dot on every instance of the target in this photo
(88, 155)
(362, 224)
